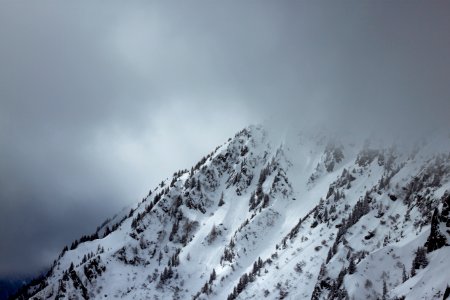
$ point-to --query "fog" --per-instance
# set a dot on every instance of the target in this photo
(100, 101)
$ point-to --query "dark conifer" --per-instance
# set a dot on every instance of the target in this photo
(213, 276)
(404, 275)
(385, 290)
(436, 239)
(266, 201)
(221, 201)
(352, 267)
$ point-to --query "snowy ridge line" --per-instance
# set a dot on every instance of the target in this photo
(304, 217)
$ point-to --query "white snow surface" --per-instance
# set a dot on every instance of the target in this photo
(307, 190)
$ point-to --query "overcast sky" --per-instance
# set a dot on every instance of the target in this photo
(99, 100)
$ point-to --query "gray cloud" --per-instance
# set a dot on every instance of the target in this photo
(100, 102)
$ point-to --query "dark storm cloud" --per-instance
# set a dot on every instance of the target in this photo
(98, 102)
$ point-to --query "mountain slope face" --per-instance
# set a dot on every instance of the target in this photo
(302, 218)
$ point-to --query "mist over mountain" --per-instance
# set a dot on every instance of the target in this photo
(100, 102)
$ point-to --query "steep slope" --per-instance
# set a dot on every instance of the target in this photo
(297, 217)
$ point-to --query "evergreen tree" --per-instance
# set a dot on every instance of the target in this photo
(413, 270)
(352, 267)
(252, 200)
(436, 239)
(329, 255)
(255, 268)
(243, 281)
(107, 231)
(260, 263)
(160, 257)
(174, 230)
(212, 234)
(446, 293)
(420, 261)
(266, 201)
(340, 278)
(213, 276)
(221, 201)
(317, 292)
(205, 288)
(404, 275)
(385, 290)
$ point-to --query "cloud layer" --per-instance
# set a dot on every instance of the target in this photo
(99, 102)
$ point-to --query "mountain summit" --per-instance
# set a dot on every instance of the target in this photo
(302, 217)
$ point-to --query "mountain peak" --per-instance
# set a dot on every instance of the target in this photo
(274, 216)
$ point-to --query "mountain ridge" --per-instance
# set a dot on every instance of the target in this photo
(301, 217)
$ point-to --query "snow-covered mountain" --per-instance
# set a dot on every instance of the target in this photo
(266, 216)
